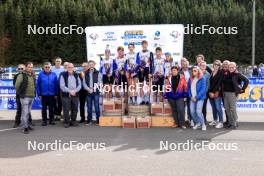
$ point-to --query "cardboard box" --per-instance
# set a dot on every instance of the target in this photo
(129, 122)
(162, 121)
(118, 104)
(167, 109)
(108, 105)
(157, 109)
(110, 121)
(143, 122)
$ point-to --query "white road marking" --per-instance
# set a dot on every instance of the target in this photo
(8, 129)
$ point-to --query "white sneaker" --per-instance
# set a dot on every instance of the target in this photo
(198, 125)
(192, 124)
(219, 125)
(203, 127)
(213, 123)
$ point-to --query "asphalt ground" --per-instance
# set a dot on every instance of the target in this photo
(132, 151)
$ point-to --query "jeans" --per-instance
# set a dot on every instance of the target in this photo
(47, 102)
(216, 104)
(93, 98)
(178, 112)
(196, 111)
(187, 104)
(26, 105)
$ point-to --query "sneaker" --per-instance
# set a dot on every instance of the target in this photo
(66, 125)
(25, 131)
(198, 125)
(183, 127)
(192, 124)
(219, 125)
(88, 124)
(203, 127)
(213, 123)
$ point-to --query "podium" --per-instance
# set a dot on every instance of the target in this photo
(139, 116)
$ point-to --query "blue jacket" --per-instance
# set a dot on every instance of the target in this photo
(200, 88)
(47, 84)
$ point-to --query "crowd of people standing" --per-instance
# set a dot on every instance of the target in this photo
(63, 91)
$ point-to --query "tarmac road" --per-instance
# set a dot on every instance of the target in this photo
(132, 151)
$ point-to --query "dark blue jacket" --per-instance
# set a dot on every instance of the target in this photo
(200, 88)
(47, 84)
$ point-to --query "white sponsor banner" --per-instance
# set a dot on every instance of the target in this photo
(167, 36)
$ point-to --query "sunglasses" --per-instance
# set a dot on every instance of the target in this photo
(195, 71)
(46, 67)
(20, 68)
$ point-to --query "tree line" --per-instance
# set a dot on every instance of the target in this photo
(17, 46)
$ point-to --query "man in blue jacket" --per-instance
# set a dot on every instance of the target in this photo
(47, 90)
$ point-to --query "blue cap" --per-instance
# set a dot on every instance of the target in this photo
(167, 54)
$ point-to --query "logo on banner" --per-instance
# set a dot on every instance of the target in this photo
(157, 35)
(109, 36)
(93, 36)
(175, 35)
(133, 36)
(157, 40)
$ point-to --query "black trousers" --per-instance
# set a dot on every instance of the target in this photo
(48, 103)
(178, 111)
(205, 109)
(82, 98)
(70, 108)
(58, 105)
(19, 111)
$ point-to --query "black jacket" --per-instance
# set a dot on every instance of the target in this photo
(216, 82)
(15, 78)
(237, 79)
